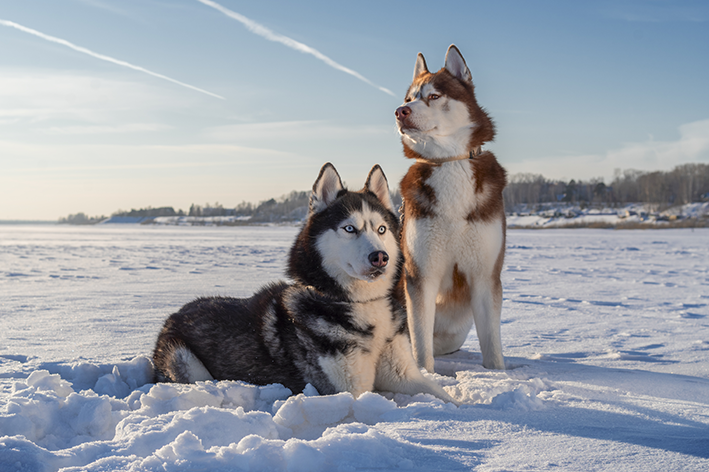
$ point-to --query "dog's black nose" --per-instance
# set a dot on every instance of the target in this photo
(379, 259)
(402, 112)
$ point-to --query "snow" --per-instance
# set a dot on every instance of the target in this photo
(178, 220)
(605, 333)
(574, 216)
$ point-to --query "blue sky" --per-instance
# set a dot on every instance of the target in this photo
(171, 103)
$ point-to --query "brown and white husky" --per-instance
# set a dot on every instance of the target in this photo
(453, 236)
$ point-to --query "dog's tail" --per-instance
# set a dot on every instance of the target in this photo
(175, 362)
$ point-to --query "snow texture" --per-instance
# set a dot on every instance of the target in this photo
(605, 333)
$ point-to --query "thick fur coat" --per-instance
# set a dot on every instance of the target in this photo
(453, 235)
(340, 325)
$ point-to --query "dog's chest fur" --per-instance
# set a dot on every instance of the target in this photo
(340, 343)
(382, 316)
(348, 326)
(468, 190)
(454, 209)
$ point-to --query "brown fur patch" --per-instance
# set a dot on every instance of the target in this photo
(411, 154)
(490, 177)
(460, 291)
(419, 197)
(414, 90)
(412, 273)
(464, 92)
(410, 268)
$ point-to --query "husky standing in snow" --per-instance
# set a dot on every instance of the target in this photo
(340, 326)
(453, 235)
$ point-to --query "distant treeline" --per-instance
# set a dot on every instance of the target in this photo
(290, 207)
(684, 184)
(149, 212)
(81, 219)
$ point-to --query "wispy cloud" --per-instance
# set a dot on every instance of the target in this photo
(649, 155)
(118, 129)
(270, 35)
(105, 6)
(103, 57)
(84, 155)
(290, 131)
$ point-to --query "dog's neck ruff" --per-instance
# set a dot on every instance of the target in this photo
(349, 300)
(475, 152)
(370, 300)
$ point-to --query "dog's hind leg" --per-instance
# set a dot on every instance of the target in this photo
(188, 367)
(454, 320)
(175, 362)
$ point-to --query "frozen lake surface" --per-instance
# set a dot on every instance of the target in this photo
(605, 334)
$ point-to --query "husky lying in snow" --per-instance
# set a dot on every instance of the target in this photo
(340, 326)
(453, 236)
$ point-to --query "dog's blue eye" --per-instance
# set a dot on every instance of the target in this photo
(349, 229)
(434, 96)
(382, 229)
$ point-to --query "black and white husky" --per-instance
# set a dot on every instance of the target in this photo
(339, 326)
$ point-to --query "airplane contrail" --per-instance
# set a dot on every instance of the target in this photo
(63, 42)
(270, 35)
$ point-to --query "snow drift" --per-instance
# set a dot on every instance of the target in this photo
(606, 337)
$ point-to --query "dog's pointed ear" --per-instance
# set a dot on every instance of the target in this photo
(420, 66)
(455, 64)
(325, 188)
(377, 184)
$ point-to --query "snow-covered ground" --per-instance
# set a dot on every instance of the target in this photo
(606, 337)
